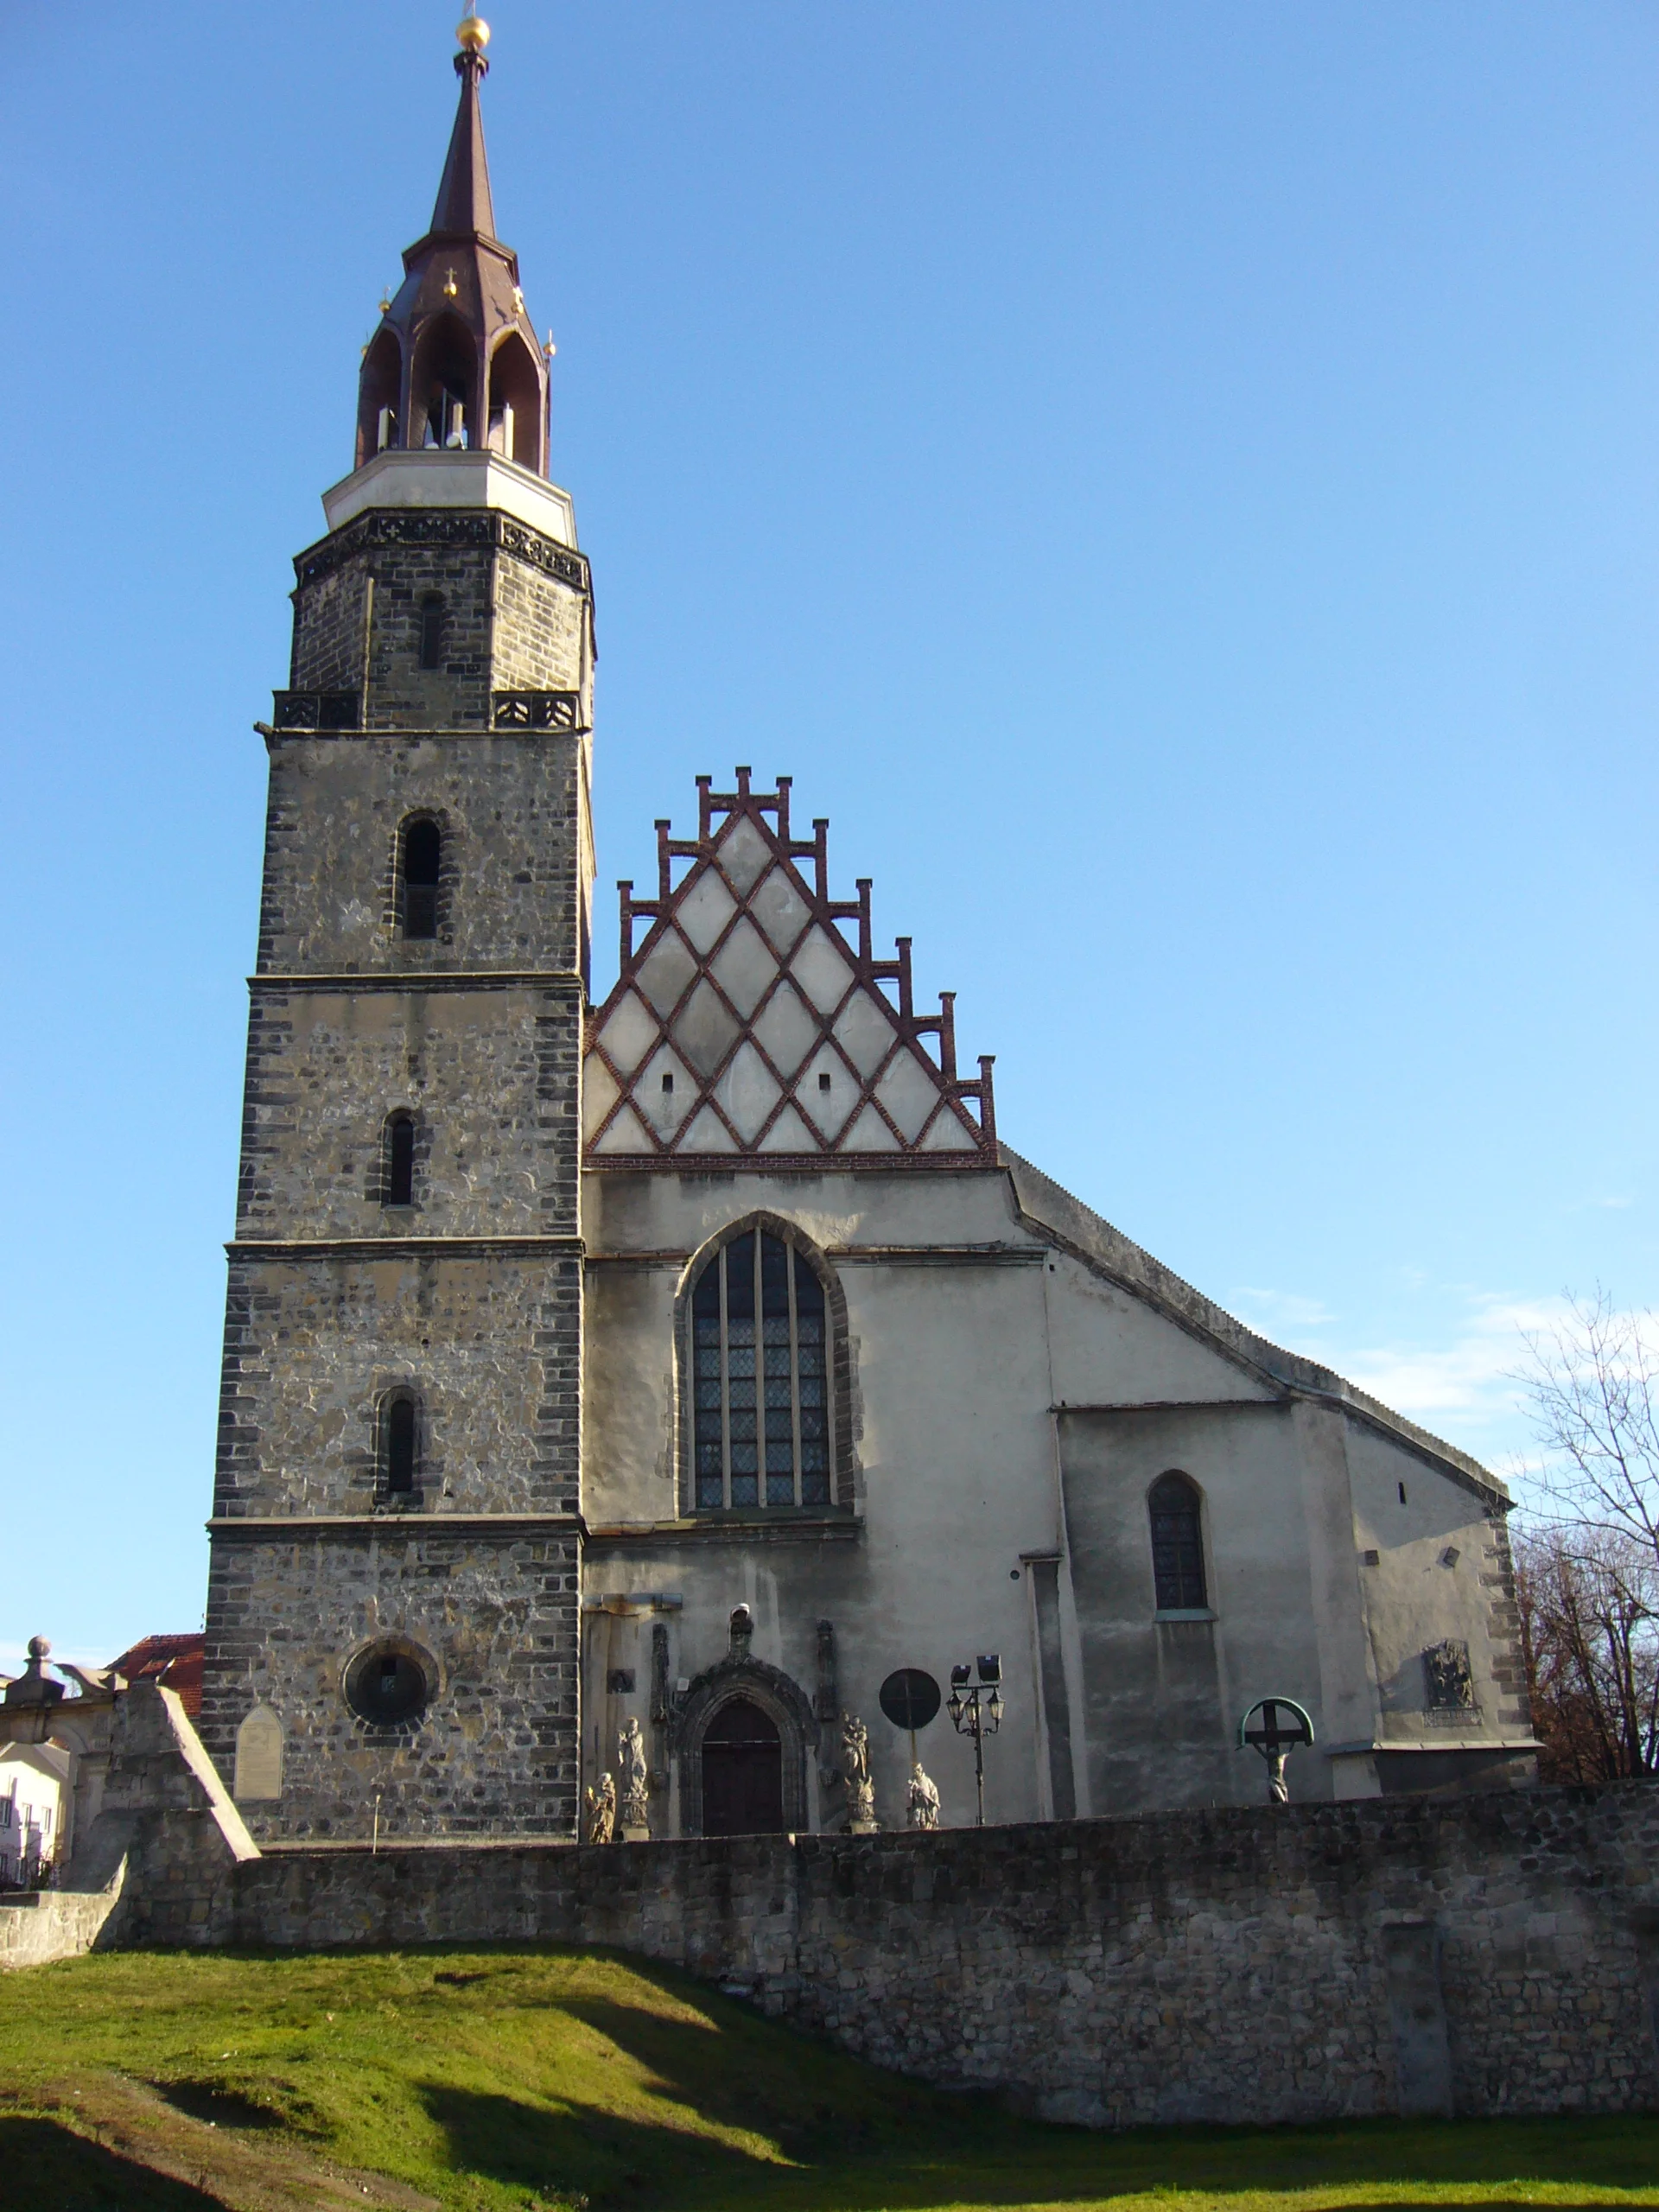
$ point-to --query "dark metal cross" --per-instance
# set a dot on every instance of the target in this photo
(1284, 1727)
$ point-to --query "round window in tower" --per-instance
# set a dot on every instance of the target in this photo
(388, 1685)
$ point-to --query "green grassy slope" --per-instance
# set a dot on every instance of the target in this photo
(538, 2079)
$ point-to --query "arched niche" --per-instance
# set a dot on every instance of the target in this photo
(785, 1704)
(515, 402)
(444, 386)
(380, 397)
(259, 1758)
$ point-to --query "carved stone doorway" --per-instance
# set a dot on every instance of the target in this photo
(742, 1772)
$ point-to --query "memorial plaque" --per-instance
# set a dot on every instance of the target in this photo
(259, 1757)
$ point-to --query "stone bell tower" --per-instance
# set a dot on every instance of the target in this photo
(393, 1597)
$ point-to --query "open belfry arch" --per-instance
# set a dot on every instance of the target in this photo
(754, 1017)
(629, 1390)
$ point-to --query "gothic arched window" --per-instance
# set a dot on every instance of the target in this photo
(760, 1378)
(398, 1183)
(399, 1443)
(1177, 1545)
(423, 855)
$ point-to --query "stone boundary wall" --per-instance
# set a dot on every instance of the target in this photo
(1494, 1953)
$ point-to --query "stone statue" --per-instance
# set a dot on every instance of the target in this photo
(636, 1784)
(601, 1812)
(856, 1764)
(1278, 1788)
(922, 1800)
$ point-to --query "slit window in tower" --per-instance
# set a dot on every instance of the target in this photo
(432, 631)
(400, 1160)
(423, 851)
(400, 1446)
(760, 1412)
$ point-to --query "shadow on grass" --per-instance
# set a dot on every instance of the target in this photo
(48, 2164)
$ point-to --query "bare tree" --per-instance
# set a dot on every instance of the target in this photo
(1587, 1568)
(1589, 1607)
(1592, 1386)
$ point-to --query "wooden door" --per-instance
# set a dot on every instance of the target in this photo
(742, 1772)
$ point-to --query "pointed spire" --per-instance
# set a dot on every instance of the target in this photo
(455, 364)
(463, 203)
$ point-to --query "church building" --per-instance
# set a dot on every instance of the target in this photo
(654, 1381)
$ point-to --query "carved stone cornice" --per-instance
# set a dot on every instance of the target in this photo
(432, 526)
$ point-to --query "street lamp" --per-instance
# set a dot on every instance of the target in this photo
(969, 1717)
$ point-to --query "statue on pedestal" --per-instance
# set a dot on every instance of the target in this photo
(601, 1812)
(636, 1784)
(921, 1799)
(855, 1765)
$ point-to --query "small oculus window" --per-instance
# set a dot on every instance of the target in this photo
(387, 1687)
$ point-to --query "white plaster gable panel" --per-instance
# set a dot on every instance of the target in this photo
(746, 1092)
(747, 1021)
(600, 1092)
(744, 966)
(822, 971)
(743, 853)
(627, 1033)
(784, 1030)
(908, 1095)
(665, 971)
(705, 911)
(706, 1029)
(828, 1093)
(625, 1133)
(864, 1032)
(665, 1092)
(780, 910)
(869, 1133)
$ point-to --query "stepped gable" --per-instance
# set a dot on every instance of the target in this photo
(746, 1029)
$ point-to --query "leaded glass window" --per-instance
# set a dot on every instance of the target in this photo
(760, 1393)
(1176, 1545)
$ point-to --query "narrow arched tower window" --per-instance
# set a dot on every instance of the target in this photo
(1177, 1545)
(761, 1414)
(423, 855)
(432, 631)
(399, 1181)
(399, 1450)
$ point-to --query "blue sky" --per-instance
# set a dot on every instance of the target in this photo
(1175, 485)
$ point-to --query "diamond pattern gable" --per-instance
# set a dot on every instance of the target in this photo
(745, 1026)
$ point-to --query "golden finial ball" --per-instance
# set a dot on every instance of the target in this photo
(473, 33)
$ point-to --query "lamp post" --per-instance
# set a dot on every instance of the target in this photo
(969, 1717)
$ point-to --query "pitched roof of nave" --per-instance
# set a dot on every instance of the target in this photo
(753, 1021)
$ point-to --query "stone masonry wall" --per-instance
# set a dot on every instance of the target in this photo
(1482, 1954)
(509, 809)
(497, 1751)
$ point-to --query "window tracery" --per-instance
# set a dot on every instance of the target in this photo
(760, 1368)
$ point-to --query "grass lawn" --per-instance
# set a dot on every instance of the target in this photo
(164, 2083)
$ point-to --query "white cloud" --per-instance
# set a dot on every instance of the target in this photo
(1458, 1385)
(1472, 1375)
